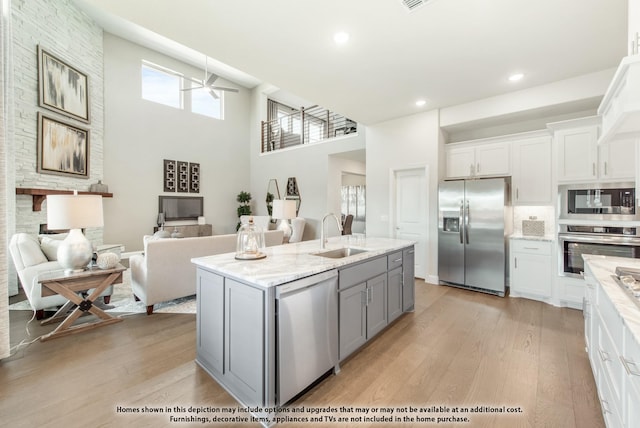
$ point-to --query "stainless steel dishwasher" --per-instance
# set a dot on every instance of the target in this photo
(307, 340)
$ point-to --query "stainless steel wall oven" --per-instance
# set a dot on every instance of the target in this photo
(576, 240)
(598, 201)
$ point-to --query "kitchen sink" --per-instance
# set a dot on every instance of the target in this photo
(339, 253)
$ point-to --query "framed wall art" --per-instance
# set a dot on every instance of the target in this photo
(63, 149)
(62, 88)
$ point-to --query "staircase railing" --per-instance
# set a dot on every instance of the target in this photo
(306, 126)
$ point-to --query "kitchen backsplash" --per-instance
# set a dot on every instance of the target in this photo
(544, 213)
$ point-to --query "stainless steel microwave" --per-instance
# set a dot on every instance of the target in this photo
(598, 201)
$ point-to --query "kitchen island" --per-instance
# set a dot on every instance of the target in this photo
(268, 328)
(612, 336)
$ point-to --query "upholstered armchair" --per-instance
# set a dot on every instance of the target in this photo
(33, 256)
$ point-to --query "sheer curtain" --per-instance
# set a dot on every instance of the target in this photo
(6, 177)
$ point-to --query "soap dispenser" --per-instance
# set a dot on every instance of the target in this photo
(250, 242)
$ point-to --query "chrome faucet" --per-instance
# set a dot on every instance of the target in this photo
(323, 240)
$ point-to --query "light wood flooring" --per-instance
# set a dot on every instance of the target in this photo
(458, 349)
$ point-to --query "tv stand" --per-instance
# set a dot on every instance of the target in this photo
(189, 230)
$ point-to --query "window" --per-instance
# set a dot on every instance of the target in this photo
(161, 86)
(202, 102)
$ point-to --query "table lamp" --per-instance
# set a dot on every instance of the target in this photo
(74, 212)
(284, 210)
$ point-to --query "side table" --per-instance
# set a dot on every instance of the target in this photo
(69, 285)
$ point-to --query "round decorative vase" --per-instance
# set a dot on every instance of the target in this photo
(107, 260)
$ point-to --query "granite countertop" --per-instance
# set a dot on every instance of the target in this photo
(288, 262)
(533, 238)
(603, 267)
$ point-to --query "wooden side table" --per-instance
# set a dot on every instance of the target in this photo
(69, 285)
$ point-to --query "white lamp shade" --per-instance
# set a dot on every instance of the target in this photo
(284, 209)
(74, 211)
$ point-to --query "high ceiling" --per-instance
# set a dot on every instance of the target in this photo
(447, 52)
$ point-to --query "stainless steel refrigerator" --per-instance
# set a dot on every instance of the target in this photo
(474, 223)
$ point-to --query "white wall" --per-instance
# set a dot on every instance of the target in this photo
(140, 134)
(408, 142)
(315, 167)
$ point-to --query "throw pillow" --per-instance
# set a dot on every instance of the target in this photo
(30, 251)
(50, 247)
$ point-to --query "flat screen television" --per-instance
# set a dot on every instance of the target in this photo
(180, 207)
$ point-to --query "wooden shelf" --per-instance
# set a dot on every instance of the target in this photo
(40, 195)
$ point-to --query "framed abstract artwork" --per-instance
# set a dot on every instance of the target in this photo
(63, 149)
(61, 87)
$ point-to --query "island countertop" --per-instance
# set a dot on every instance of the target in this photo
(289, 262)
(603, 268)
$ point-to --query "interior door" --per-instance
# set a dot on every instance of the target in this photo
(411, 215)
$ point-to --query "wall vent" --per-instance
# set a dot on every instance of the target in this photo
(414, 4)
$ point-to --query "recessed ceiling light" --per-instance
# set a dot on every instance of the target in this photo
(341, 37)
(420, 103)
(515, 77)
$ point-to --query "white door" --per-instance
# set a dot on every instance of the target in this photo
(411, 214)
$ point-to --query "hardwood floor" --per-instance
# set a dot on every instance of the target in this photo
(458, 349)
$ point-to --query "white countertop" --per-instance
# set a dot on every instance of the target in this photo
(603, 267)
(288, 262)
(533, 238)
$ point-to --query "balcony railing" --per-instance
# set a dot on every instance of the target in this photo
(306, 126)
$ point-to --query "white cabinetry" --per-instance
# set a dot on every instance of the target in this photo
(580, 158)
(614, 353)
(477, 160)
(532, 172)
(620, 106)
(531, 269)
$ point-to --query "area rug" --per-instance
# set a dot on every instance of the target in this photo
(122, 301)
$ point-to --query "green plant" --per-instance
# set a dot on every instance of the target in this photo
(244, 199)
(270, 198)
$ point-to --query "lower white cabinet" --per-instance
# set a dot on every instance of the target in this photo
(614, 354)
(530, 268)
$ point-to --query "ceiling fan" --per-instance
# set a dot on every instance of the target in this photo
(208, 83)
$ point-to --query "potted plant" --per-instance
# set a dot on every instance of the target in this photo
(244, 198)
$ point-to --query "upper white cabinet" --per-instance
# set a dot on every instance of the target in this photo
(532, 171)
(620, 106)
(477, 160)
(580, 158)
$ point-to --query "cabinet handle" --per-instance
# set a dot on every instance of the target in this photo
(531, 248)
(368, 296)
(604, 355)
(517, 193)
(470, 169)
(478, 167)
(397, 260)
(515, 263)
(605, 168)
(364, 295)
(593, 168)
(627, 366)
(411, 251)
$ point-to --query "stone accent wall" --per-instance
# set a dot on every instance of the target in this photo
(68, 33)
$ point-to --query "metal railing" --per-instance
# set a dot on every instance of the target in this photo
(306, 126)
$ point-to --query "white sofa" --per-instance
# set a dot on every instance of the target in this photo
(34, 255)
(164, 271)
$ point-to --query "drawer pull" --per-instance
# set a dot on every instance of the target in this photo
(628, 367)
(397, 260)
(531, 248)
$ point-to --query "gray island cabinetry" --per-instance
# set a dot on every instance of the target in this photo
(298, 306)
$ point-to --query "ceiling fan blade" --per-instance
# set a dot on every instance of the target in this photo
(212, 78)
(220, 88)
(191, 89)
(212, 93)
